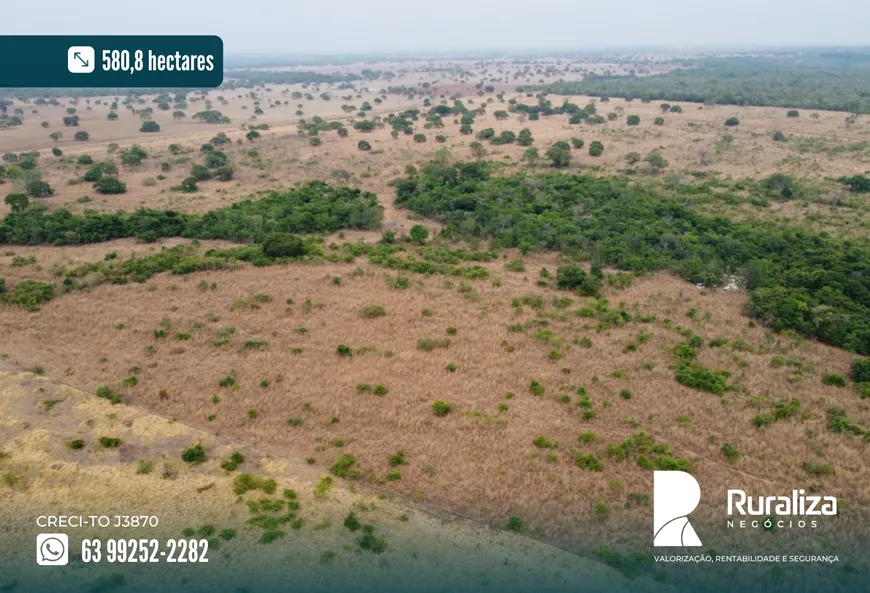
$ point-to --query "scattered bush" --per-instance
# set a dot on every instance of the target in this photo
(441, 408)
(195, 454)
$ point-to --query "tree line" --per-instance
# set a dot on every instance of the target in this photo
(315, 207)
(768, 82)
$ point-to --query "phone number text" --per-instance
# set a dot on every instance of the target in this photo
(145, 550)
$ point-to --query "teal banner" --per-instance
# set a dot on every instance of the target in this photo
(95, 61)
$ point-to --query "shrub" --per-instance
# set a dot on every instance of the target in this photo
(419, 233)
(104, 392)
(234, 461)
(344, 350)
(730, 453)
(542, 442)
(149, 126)
(859, 370)
(515, 265)
(698, 377)
(75, 444)
(835, 379)
(372, 312)
(632, 120)
(352, 522)
(430, 344)
(572, 277)
(82, 136)
(778, 136)
(29, 294)
(536, 388)
(793, 113)
(194, 455)
(110, 442)
(815, 468)
(343, 467)
(589, 462)
(110, 186)
(364, 145)
(596, 148)
(246, 482)
(398, 459)
(515, 525)
(441, 408)
(732, 121)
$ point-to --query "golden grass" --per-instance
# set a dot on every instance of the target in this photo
(52, 480)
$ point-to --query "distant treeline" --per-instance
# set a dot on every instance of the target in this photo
(23, 94)
(809, 283)
(836, 81)
(247, 78)
(315, 207)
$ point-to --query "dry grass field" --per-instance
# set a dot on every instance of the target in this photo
(297, 365)
(41, 416)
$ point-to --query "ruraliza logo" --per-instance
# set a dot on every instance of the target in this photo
(675, 496)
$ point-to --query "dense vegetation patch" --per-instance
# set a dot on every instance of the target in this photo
(314, 207)
(825, 82)
(809, 283)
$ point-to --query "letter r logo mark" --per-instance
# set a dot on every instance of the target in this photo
(675, 496)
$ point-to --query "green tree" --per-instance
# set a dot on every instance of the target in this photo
(596, 148)
(419, 234)
(524, 138)
(632, 158)
(364, 145)
(224, 173)
(82, 136)
(17, 202)
(477, 150)
(560, 155)
(283, 245)
(110, 186)
(188, 185)
(633, 120)
(149, 127)
(656, 162)
(531, 156)
(38, 188)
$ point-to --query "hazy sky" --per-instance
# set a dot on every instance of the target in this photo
(368, 26)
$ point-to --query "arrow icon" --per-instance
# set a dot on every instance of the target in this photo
(81, 59)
